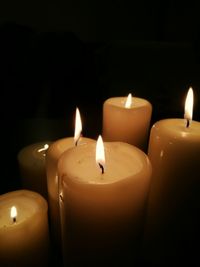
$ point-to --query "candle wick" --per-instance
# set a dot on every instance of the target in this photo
(76, 143)
(102, 168)
(187, 123)
(14, 219)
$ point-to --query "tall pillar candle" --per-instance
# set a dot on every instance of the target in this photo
(127, 120)
(102, 207)
(24, 236)
(172, 225)
(53, 154)
(31, 160)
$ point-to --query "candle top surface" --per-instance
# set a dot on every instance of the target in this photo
(27, 204)
(121, 162)
(176, 128)
(30, 154)
(120, 102)
(59, 146)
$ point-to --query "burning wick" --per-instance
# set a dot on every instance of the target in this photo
(78, 127)
(102, 168)
(100, 154)
(13, 214)
(128, 102)
(76, 143)
(187, 123)
(189, 107)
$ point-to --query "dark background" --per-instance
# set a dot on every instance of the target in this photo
(55, 56)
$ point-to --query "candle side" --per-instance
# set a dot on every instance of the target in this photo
(24, 242)
(54, 152)
(130, 125)
(174, 151)
(31, 160)
(102, 212)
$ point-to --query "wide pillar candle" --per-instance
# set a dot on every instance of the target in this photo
(31, 160)
(53, 154)
(102, 213)
(172, 226)
(24, 238)
(127, 124)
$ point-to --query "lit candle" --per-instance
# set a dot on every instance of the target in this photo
(54, 152)
(174, 151)
(127, 120)
(102, 201)
(31, 160)
(24, 237)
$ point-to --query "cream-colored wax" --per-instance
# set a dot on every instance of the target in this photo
(31, 160)
(101, 213)
(54, 152)
(174, 151)
(130, 125)
(25, 241)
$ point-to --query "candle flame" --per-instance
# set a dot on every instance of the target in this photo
(13, 213)
(128, 102)
(78, 126)
(46, 146)
(189, 105)
(100, 153)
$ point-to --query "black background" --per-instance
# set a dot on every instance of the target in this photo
(56, 56)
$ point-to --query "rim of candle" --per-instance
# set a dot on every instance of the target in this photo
(28, 203)
(78, 166)
(119, 102)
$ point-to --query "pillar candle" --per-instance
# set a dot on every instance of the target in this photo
(127, 120)
(102, 206)
(31, 160)
(54, 152)
(172, 220)
(24, 237)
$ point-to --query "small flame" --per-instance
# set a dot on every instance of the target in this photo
(189, 105)
(128, 102)
(13, 213)
(100, 153)
(78, 126)
(46, 146)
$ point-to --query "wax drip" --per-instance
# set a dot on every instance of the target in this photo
(61, 198)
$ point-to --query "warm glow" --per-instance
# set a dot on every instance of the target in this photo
(46, 146)
(13, 212)
(128, 101)
(189, 105)
(78, 126)
(100, 153)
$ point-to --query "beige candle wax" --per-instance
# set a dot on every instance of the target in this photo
(54, 152)
(24, 236)
(31, 160)
(102, 205)
(127, 120)
(174, 151)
